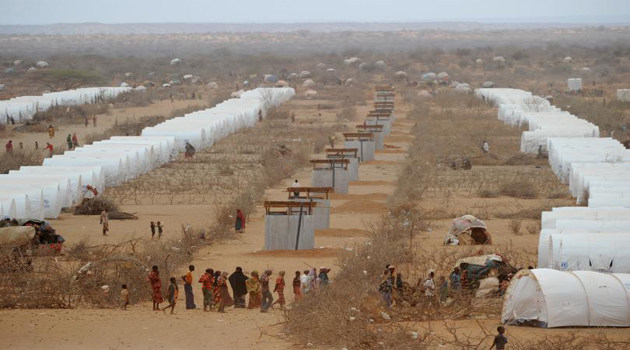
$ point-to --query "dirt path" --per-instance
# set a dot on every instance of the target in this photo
(104, 122)
(140, 328)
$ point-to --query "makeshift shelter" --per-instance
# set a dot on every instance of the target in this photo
(429, 76)
(16, 236)
(380, 65)
(400, 75)
(176, 62)
(308, 83)
(549, 298)
(305, 74)
(574, 84)
(468, 230)
(485, 272)
(269, 78)
(42, 64)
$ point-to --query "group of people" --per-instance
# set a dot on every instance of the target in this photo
(392, 287)
(160, 228)
(214, 287)
(73, 141)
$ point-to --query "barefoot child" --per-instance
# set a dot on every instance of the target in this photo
(160, 227)
(171, 296)
(500, 340)
(124, 295)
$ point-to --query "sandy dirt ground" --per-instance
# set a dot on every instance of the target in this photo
(141, 328)
(103, 122)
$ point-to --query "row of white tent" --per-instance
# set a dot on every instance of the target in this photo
(543, 120)
(583, 267)
(38, 192)
(23, 108)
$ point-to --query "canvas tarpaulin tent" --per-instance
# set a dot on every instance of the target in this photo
(551, 298)
(468, 230)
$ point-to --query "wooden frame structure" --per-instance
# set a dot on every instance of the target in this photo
(342, 153)
(360, 136)
(289, 208)
(370, 128)
(332, 164)
(325, 191)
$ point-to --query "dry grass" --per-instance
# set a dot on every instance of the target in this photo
(519, 189)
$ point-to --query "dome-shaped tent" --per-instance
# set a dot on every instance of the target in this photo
(331, 71)
(9, 70)
(468, 230)
(479, 61)
(464, 88)
(176, 62)
(3, 87)
(352, 61)
(310, 93)
(271, 78)
(17, 62)
(123, 84)
(305, 74)
(424, 94)
(321, 65)
(551, 298)
(380, 65)
(308, 83)
(443, 77)
(32, 69)
(567, 59)
(282, 83)
(128, 74)
(400, 75)
(499, 60)
(212, 85)
(349, 82)
(42, 64)
(487, 85)
(293, 77)
(429, 76)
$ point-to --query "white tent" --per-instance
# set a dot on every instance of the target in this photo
(605, 252)
(551, 298)
(8, 208)
(80, 176)
(56, 191)
(29, 201)
(550, 218)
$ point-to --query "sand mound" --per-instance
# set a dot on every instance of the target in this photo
(335, 232)
(361, 206)
(305, 253)
(368, 196)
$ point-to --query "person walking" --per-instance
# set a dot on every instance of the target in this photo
(160, 227)
(188, 290)
(75, 141)
(226, 299)
(9, 146)
(69, 141)
(240, 221)
(267, 297)
(206, 289)
(171, 295)
(86, 121)
(94, 120)
(105, 221)
(238, 282)
(385, 288)
(429, 286)
(297, 291)
(36, 145)
(323, 276)
(51, 131)
(254, 288)
(124, 296)
(48, 148)
(485, 147)
(152, 229)
(279, 288)
(156, 287)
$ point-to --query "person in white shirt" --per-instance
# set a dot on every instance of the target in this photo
(305, 281)
(485, 147)
(296, 184)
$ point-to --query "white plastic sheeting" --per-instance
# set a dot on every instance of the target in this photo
(603, 252)
(554, 298)
(23, 108)
(35, 192)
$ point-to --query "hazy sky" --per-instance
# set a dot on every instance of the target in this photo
(230, 11)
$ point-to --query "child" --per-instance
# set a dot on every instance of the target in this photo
(172, 294)
(160, 228)
(297, 291)
(500, 340)
(124, 295)
(152, 229)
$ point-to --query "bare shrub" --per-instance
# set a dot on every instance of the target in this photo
(16, 159)
(347, 113)
(519, 189)
(95, 206)
(488, 193)
(533, 228)
(515, 226)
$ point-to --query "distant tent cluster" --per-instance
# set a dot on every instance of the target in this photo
(23, 108)
(583, 274)
(38, 192)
